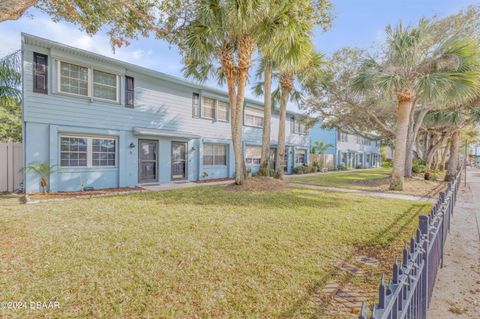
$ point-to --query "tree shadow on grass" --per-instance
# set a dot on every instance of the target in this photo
(214, 196)
(400, 223)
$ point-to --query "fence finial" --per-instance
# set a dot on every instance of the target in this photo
(395, 272)
(382, 293)
(405, 255)
(412, 244)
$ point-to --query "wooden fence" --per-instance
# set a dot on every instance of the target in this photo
(11, 161)
(408, 294)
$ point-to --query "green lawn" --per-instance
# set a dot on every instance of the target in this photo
(191, 253)
(360, 179)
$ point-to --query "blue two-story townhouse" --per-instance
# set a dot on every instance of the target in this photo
(352, 151)
(106, 123)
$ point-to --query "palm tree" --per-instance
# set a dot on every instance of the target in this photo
(413, 70)
(289, 26)
(307, 73)
(451, 122)
(225, 34)
(10, 98)
(44, 170)
(320, 148)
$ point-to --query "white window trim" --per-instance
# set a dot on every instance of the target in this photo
(304, 155)
(252, 146)
(90, 139)
(202, 105)
(89, 81)
(214, 154)
(254, 115)
(216, 111)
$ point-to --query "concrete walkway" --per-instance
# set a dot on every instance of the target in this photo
(367, 193)
(171, 186)
(457, 291)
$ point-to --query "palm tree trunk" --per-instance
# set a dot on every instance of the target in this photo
(245, 50)
(403, 116)
(267, 115)
(444, 156)
(454, 153)
(435, 145)
(414, 128)
(279, 170)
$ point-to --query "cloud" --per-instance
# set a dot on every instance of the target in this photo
(149, 53)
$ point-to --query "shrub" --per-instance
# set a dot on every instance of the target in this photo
(387, 164)
(359, 166)
(342, 167)
(432, 175)
(418, 166)
(298, 170)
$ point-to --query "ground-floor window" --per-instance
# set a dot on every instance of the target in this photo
(300, 156)
(253, 155)
(79, 151)
(214, 154)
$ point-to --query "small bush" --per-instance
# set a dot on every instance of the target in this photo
(387, 164)
(359, 166)
(342, 167)
(418, 166)
(298, 170)
(432, 175)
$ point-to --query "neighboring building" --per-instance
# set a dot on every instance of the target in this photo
(353, 151)
(108, 123)
(327, 136)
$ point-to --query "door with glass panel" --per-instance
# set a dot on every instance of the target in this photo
(179, 160)
(147, 161)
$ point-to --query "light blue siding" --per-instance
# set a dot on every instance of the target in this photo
(161, 102)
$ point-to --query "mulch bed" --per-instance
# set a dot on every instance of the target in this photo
(59, 196)
(258, 184)
(415, 185)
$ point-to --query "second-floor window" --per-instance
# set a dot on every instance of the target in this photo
(210, 108)
(104, 85)
(253, 120)
(73, 79)
(298, 127)
(362, 140)
(222, 111)
(83, 81)
(342, 137)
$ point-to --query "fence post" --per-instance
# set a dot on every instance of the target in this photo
(424, 230)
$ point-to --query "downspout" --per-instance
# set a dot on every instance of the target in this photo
(24, 136)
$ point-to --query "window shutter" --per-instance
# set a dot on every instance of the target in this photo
(195, 105)
(292, 125)
(40, 73)
(129, 91)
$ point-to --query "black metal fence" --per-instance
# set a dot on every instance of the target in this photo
(409, 292)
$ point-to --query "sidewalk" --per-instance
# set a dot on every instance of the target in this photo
(457, 290)
(367, 193)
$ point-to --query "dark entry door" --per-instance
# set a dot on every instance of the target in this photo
(147, 161)
(179, 160)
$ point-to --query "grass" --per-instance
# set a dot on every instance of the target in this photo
(191, 253)
(353, 180)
